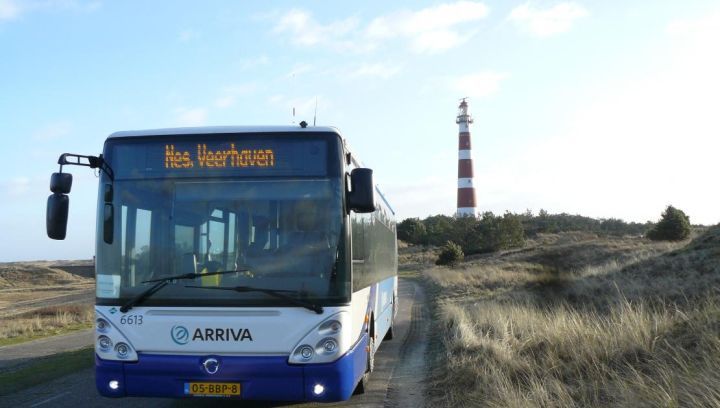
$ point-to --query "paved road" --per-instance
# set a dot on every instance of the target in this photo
(18, 354)
(396, 382)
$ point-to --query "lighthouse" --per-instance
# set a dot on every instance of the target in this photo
(466, 189)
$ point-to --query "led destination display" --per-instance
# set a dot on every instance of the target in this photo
(215, 157)
(232, 157)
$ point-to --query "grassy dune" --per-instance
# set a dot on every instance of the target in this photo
(24, 288)
(47, 321)
(577, 320)
(45, 273)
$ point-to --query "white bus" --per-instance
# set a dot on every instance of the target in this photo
(251, 263)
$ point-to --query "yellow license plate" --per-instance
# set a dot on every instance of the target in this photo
(209, 389)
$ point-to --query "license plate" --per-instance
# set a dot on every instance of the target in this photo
(209, 389)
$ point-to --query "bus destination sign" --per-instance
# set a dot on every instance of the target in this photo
(204, 157)
(217, 157)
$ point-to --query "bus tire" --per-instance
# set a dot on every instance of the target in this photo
(371, 355)
(362, 384)
(390, 333)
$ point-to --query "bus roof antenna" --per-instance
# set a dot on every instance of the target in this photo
(315, 115)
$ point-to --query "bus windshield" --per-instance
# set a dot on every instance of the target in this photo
(278, 233)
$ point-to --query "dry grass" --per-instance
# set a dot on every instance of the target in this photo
(45, 273)
(581, 321)
(44, 322)
(415, 257)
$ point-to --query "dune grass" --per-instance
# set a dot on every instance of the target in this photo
(44, 322)
(580, 321)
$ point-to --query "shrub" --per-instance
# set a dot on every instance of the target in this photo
(673, 226)
(451, 254)
(493, 233)
(411, 230)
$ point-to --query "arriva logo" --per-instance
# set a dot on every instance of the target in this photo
(180, 335)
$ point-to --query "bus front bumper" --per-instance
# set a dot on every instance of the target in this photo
(268, 378)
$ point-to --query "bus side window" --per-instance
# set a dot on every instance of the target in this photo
(358, 237)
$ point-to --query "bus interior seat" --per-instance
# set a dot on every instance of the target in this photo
(188, 263)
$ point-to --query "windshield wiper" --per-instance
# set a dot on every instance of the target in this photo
(162, 282)
(278, 293)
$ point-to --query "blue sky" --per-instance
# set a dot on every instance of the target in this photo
(606, 109)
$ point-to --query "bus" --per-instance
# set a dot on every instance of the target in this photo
(257, 263)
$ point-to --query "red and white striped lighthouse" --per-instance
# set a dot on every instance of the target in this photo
(466, 190)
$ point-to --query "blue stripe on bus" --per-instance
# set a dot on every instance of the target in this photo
(261, 377)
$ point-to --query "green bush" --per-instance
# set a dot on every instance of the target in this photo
(412, 230)
(451, 254)
(493, 233)
(673, 226)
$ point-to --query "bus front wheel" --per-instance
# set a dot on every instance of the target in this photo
(390, 332)
(362, 385)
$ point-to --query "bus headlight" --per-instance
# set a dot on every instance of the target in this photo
(111, 343)
(306, 352)
(328, 345)
(330, 340)
(102, 325)
(122, 350)
(104, 343)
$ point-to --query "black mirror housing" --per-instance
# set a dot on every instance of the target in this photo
(57, 215)
(361, 197)
(61, 183)
(108, 193)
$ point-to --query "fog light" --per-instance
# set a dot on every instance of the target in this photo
(306, 352)
(122, 350)
(328, 345)
(104, 343)
(318, 389)
(114, 385)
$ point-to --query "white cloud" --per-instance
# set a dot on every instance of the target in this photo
(12, 9)
(53, 131)
(478, 85)
(9, 10)
(634, 145)
(231, 93)
(432, 29)
(378, 70)
(428, 30)
(305, 31)
(191, 116)
(546, 22)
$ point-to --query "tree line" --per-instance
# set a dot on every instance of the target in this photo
(489, 232)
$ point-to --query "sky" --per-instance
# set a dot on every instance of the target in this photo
(605, 109)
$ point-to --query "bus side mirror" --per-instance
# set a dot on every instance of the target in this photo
(61, 183)
(57, 205)
(57, 215)
(361, 197)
